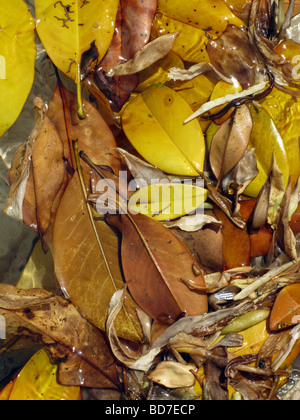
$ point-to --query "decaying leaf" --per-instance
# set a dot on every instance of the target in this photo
(233, 55)
(173, 375)
(54, 320)
(230, 142)
(160, 285)
(151, 53)
(194, 222)
(89, 271)
(68, 30)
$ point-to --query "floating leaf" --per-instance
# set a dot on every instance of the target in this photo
(87, 266)
(17, 60)
(167, 201)
(37, 381)
(153, 122)
(68, 30)
(286, 309)
(160, 271)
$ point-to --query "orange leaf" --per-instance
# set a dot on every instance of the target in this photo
(286, 310)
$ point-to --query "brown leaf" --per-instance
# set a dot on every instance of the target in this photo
(93, 134)
(233, 55)
(206, 246)
(132, 33)
(160, 270)
(88, 276)
(55, 320)
(230, 142)
(39, 170)
(237, 248)
(173, 375)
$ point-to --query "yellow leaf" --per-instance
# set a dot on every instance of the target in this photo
(285, 112)
(265, 146)
(254, 338)
(167, 201)
(210, 15)
(67, 30)
(17, 59)
(37, 382)
(191, 43)
(154, 123)
(39, 271)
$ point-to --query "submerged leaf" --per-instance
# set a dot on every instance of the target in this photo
(153, 122)
(38, 381)
(88, 274)
(17, 60)
(68, 30)
(159, 269)
(286, 310)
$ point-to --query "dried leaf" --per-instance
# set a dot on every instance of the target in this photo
(173, 375)
(158, 269)
(55, 320)
(193, 223)
(230, 142)
(151, 53)
(88, 274)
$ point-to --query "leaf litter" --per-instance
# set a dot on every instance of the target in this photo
(150, 304)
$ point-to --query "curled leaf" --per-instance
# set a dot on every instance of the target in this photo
(151, 53)
(194, 222)
(173, 375)
(230, 142)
